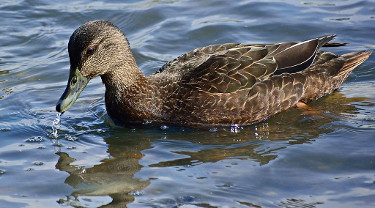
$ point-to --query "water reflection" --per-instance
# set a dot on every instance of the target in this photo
(113, 177)
(132, 151)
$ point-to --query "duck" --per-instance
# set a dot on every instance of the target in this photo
(216, 85)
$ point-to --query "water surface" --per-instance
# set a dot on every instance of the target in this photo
(323, 158)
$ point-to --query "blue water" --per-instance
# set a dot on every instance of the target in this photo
(294, 159)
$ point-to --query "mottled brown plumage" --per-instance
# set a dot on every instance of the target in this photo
(215, 85)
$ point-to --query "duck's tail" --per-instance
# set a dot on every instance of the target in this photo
(324, 41)
(352, 60)
(329, 72)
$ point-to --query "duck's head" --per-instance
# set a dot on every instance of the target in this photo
(94, 49)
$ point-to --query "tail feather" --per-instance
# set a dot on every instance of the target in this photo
(353, 60)
(320, 83)
(325, 39)
(334, 44)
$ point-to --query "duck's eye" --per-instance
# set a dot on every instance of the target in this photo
(90, 51)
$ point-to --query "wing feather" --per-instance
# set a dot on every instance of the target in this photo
(230, 67)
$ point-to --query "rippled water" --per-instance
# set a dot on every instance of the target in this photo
(324, 158)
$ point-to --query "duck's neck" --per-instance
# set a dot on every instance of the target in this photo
(124, 78)
(128, 93)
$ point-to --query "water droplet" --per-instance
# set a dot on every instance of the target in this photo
(71, 148)
(38, 163)
(55, 125)
(235, 128)
(35, 139)
(71, 138)
(164, 127)
(147, 122)
(100, 131)
(136, 193)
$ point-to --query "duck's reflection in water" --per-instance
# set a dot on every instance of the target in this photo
(114, 177)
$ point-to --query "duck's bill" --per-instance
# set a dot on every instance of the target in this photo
(76, 83)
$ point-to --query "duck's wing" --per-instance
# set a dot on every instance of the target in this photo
(231, 67)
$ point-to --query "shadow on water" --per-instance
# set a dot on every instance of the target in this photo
(116, 175)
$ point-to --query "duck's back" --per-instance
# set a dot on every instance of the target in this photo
(245, 83)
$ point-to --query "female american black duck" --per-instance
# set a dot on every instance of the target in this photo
(215, 85)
